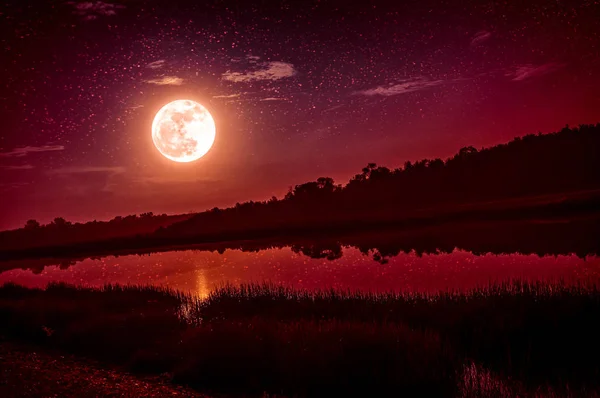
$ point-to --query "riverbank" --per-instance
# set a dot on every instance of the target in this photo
(580, 210)
(28, 371)
(262, 338)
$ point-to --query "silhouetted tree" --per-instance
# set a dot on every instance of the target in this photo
(561, 162)
(60, 222)
(567, 162)
(32, 225)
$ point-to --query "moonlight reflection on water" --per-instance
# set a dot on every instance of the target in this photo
(201, 271)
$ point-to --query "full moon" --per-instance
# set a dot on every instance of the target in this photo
(183, 131)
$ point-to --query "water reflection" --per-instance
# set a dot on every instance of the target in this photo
(346, 267)
(415, 260)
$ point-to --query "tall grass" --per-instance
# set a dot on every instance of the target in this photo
(262, 337)
(538, 332)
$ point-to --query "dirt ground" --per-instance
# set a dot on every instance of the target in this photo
(29, 372)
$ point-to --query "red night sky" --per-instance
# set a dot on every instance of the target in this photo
(298, 90)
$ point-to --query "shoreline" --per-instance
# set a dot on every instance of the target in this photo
(554, 213)
(271, 339)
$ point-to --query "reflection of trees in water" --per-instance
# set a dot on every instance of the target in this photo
(66, 264)
(578, 238)
(319, 250)
(565, 238)
(37, 266)
(575, 237)
(496, 183)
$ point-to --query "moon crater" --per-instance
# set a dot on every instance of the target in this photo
(183, 131)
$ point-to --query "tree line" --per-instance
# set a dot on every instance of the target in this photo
(542, 164)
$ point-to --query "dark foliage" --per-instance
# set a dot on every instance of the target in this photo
(473, 183)
(257, 338)
(558, 237)
(537, 333)
(61, 232)
(317, 358)
(536, 176)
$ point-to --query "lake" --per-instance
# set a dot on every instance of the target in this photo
(200, 271)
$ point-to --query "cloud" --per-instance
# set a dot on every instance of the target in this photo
(19, 167)
(7, 186)
(166, 81)
(87, 180)
(333, 108)
(403, 87)
(274, 99)
(227, 96)
(249, 96)
(480, 37)
(268, 71)
(529, 71)
(87, 169)
(90, 10)
(24, 151)
(156, 64)
(172, 179)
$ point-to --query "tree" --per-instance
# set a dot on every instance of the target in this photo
(467, 151)
(32, 224)
(60, 222)
(436, 164)
(369, 167)
(326, 183)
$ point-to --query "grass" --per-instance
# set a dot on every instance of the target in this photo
(529, 339)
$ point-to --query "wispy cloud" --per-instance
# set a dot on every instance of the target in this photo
(274, 99)
(90, 10)
(268, 71)
(402, 87)
(87, 169)
(156, 64)
(166, 81)
(480, 37)
(24, 151)
(87, 180)
(529, 71)
(333, 108)
(8, 186)
(250, 97)
(171, 179)
(17, 167)
(230, 96)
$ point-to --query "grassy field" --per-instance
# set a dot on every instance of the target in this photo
(515, 339)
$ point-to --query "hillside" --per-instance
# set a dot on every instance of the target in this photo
(61, 231)
(536, 176)
(527, 172)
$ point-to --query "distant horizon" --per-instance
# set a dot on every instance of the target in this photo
(312, 197)
(85, 218)
(294, 95)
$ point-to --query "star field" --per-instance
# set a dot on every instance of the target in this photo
(298, 90)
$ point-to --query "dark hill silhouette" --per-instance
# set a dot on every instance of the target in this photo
(61, 231)
(536, 176)
(539, 167)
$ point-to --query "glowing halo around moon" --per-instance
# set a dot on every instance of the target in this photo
(183, 131)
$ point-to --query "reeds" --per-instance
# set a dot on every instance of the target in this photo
(262, 337)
